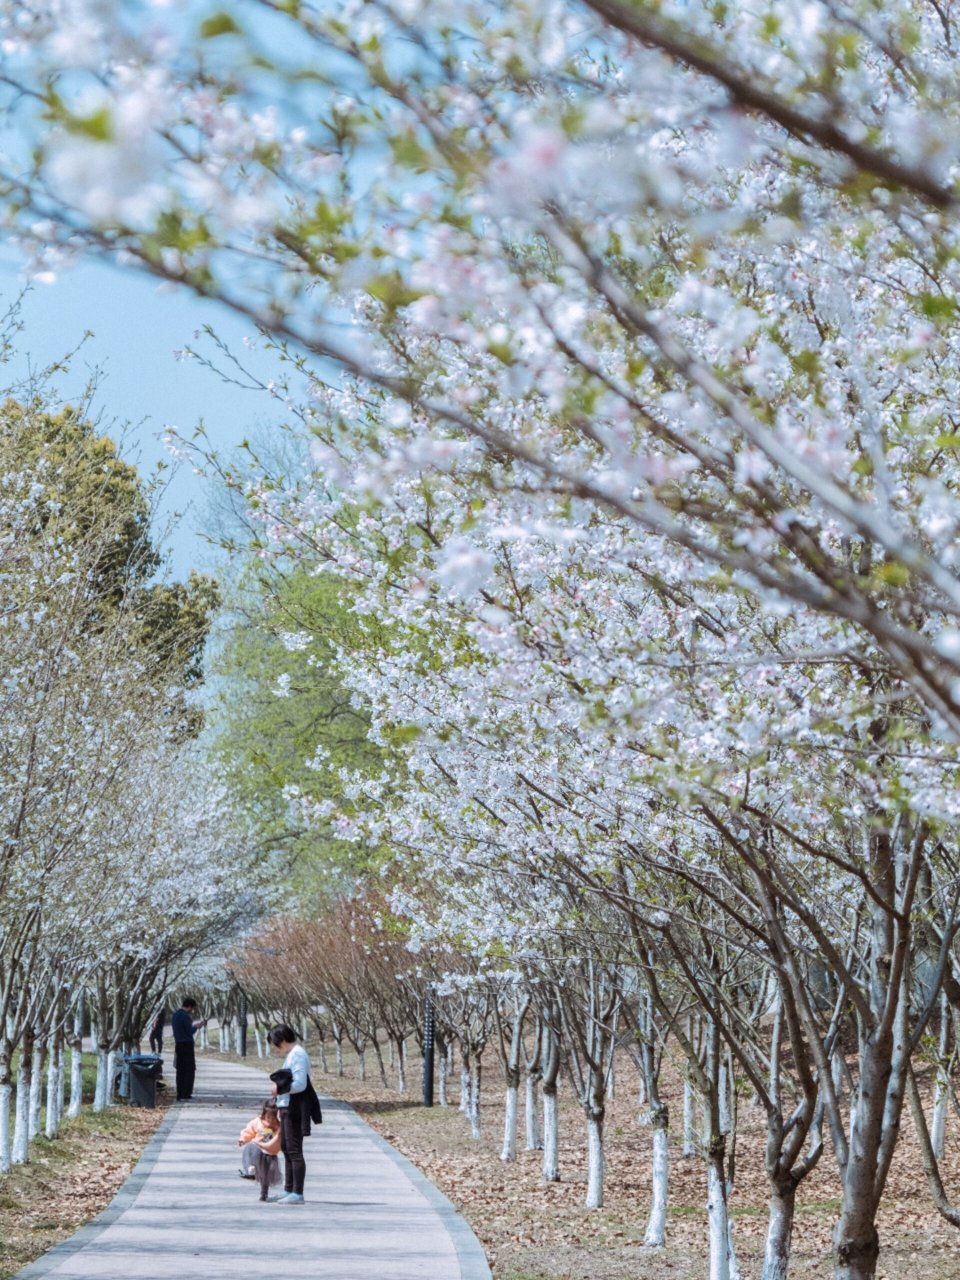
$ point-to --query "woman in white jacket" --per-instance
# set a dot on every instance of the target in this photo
(290, 1103)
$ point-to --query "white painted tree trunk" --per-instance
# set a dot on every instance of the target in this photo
(594, 1198)
(642, 1092)
(442, 1078)
(36, 1088)
(941, 1088)
(401, 1068)
(465, 1090)
(21, 1124)
(111, 1077)
(100, 1088)
(223, 1037)
(718, 1226)
(689, 1120)
(324, 1067)
(723, 1098)
(237, 1037)
(509, 1151)
(551, 1158)
(474, 1093)
(657, 1223)
(53, 1091)
(776, 1257)
(531, 1114)
(362, 1064)
(259, 1040)
(76, 1078)
(6, 1154)
(339, 1057)
(732, 1265)
(204, 1037)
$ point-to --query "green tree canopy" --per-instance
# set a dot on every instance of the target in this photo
(286, 727)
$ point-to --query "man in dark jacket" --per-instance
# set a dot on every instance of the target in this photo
(183, 1026)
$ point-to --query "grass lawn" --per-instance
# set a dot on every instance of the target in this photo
(69, 1178)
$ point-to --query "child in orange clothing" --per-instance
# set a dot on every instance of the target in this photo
(260, 1145)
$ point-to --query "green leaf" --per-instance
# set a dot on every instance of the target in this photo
(218, 24)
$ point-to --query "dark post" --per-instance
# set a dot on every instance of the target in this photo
(428, 1048)
(243, 1023)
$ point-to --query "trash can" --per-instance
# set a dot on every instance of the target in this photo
(145, 1070)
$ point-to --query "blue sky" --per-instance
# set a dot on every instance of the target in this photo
(137, 328)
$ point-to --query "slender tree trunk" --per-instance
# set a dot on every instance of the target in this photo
(531, 1112)
(21, 1124)
(339, 1055)
(551, 1157)
(380, 1067)
(443, 1078)
(689, 1119)
(657, 1223)
(776, 1256)
(6, 1100)
(717, 1216)
(36, 1084)
(941, 1089)
(362, 1064)
(259, 1039)
(508, 1153)
(323, 1057)
(594, 1199)
(476, 1076)
(76, 1062)
(53, 1087)
(401, 1067)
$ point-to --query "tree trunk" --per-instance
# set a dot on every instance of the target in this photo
(551, 1161)
(21, 1124)
(54, 1077)
(776, 1257)
(443, 1077)
(76, 1064)
(380, 1067)
(657, 1223)
(531, 1114)
(36, 1085)
(689, 1119)
(594, 1198)
(111, 1078)
(941, 1090)
(6, 1098)
(474, 1095)
(717, 1217)
(401, 1067)
(339, 1056)
(509, 1152)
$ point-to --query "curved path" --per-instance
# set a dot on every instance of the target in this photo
(184, 1214)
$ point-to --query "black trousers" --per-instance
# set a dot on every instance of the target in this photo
(156, 1042)
(185, 1061)
(291, 1144)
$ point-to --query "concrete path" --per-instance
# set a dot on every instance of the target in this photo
(184, 1214)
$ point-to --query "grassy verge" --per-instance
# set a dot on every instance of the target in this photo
(71, 1178)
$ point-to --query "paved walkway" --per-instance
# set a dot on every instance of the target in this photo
(184, 1214)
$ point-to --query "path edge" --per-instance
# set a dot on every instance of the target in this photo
(470, 1255)
(129, 1190)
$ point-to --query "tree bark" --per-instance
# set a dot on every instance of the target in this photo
(655, 1236)
(776, 1256)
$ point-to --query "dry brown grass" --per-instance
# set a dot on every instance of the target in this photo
(69, 1180)
(533, 1231)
